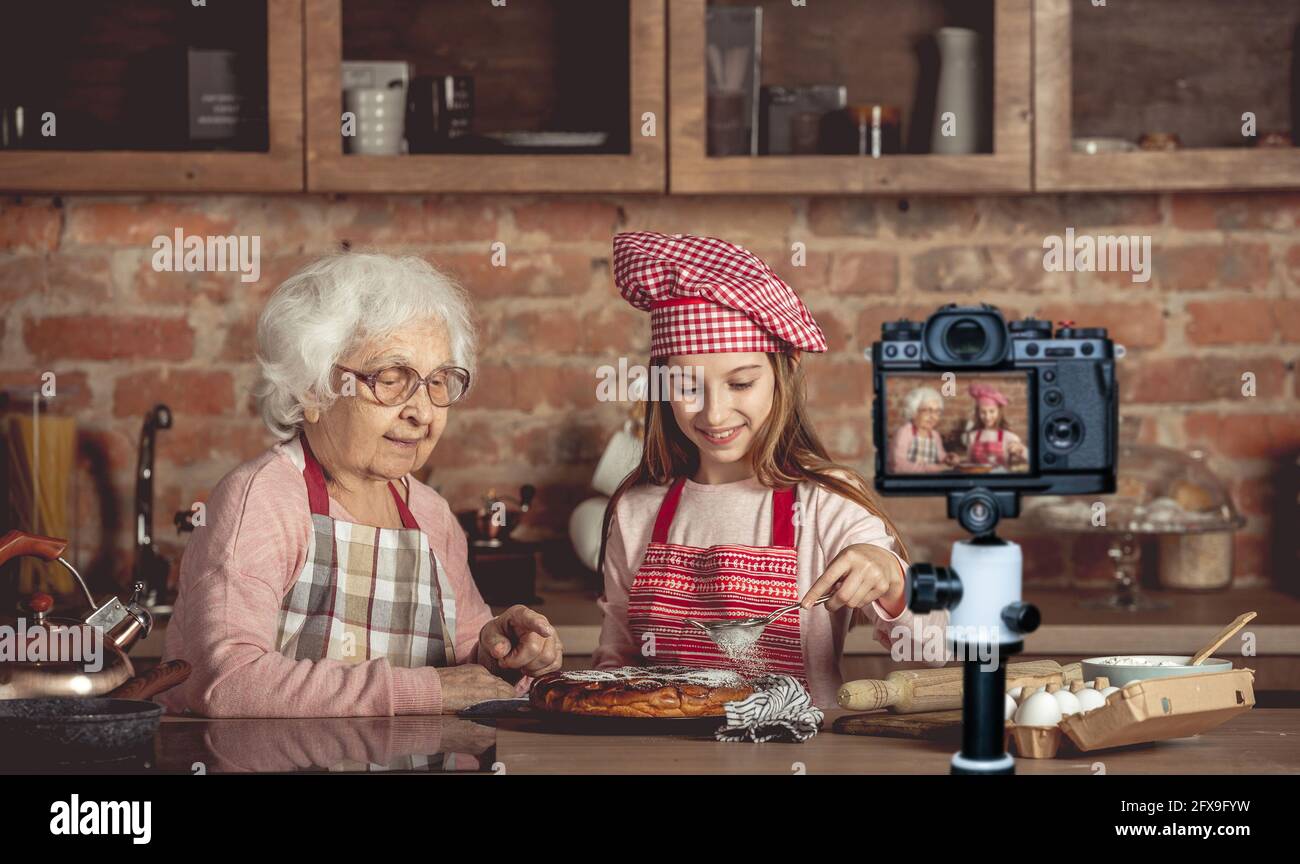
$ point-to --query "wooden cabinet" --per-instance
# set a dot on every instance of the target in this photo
(99, 93)
(870, 46)
(527, 41)
(1192, 68)
(1056, 71)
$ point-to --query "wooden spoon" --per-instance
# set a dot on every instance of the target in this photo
(1223, 636)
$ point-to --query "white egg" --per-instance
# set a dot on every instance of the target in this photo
(1010, 707)
(1014, 692)
(1040, 709)
(1090, 699)
(1068, 701)
(1105, 694)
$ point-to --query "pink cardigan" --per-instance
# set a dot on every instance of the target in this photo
(236, 571)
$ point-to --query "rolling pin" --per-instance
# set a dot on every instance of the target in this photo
(913, 690)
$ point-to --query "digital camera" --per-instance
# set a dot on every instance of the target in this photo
(965, 401)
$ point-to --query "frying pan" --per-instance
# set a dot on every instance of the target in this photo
(57, 729)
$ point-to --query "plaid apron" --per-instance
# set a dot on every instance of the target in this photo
(718, 583)
(366, 592)
(923, 450)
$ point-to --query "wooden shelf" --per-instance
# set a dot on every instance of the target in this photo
(330, 170)
(1058, 168)
(279, 168)
(1006, 169)
(1035, 43)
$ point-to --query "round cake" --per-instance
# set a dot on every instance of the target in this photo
(640, 691)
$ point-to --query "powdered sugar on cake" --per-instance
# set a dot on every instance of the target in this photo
(657, 676)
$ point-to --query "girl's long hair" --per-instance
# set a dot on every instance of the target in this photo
(786, 451)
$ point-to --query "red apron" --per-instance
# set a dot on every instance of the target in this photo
(720, 583)
(987, 452)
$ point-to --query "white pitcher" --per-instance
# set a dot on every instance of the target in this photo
(959, 91)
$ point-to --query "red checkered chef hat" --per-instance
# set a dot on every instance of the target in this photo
(708, 296)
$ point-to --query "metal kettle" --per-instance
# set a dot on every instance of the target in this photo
(121, 625)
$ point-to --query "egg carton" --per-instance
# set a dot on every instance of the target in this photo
(1154, 709)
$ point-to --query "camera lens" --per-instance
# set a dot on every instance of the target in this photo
(965, 338)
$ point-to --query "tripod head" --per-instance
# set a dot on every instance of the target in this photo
(979, 510)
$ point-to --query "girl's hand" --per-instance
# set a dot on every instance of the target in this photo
(865, 572)
(520, 640)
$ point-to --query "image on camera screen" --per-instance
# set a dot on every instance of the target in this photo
(980, 427)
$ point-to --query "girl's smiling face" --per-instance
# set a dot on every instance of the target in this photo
(721, 408)
(988, 416)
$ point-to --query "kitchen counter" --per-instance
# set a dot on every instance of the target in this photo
(1261, 741)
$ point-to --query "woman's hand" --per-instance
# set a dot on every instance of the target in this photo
(520, 640)
(469, 683)
(865, 572)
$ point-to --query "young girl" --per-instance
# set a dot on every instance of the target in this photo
(988, 438)
(735, 509)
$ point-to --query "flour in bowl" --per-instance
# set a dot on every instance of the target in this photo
(1136, 661)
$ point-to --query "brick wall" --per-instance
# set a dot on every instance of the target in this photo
(81, 299)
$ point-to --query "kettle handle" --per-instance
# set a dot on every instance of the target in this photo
(17, 544)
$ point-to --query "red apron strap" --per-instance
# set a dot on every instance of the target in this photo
(317, 496)
(408, 518)
(783, 517)
(999, 435)
(666, 511)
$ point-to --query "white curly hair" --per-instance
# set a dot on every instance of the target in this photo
(336, 304)
(918, 398)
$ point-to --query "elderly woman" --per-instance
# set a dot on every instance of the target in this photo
(916, 447)
(328, 581)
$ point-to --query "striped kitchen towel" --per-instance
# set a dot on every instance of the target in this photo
(779, 710)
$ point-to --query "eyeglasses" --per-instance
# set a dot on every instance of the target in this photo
(395, 385)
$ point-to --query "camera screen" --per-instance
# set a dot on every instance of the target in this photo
(957, 423)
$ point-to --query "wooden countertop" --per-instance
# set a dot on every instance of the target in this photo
(1261, 741)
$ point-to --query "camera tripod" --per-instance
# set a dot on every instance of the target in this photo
(987, 623)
